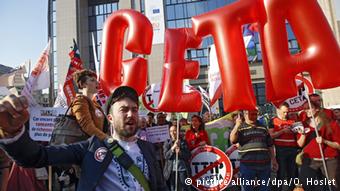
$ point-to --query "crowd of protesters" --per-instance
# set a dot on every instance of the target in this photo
(287, 144)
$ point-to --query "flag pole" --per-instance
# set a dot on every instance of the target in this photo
(51, 100)
(176, 161)
(96, 62)
(209, 109)
(319, 144)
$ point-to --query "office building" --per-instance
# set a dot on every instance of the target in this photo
(80, 19)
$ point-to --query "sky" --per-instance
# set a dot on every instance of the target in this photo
(23, 31)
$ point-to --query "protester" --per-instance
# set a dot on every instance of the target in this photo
(89, 116)
(102, 169)
(207, 117)
(174, 122)
(170, 148)
(312, 166)
(197, 135)
(285, 145)
(150, 120)
(336, 113)
(141, 133)
(255, 149)
(88, 113)
(184, 125)
(161, 120)
(183, 122)
(317, 100)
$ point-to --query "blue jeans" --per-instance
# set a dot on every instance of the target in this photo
(251, 174)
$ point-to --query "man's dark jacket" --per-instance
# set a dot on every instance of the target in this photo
(28, 153)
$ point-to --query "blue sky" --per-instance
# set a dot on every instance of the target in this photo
(23, 33)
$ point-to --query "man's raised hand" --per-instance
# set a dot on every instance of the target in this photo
(13, 114)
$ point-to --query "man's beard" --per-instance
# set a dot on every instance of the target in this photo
(125, 133)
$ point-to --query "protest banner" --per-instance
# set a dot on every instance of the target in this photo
(158, 134)
(219, 130)
(211, 169)
(42, 122)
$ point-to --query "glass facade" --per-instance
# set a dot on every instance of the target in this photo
(255, 54)
(97, 14)
(178, 14)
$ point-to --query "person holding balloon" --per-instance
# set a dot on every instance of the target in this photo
(257, 157)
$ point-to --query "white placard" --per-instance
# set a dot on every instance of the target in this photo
(158, 134)
(42, 122)
(155, 13)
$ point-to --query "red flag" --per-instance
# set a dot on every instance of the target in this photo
(75, 64)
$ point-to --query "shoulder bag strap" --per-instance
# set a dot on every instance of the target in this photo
(125, 160)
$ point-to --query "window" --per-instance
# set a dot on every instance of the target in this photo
(108, 8)
(211, 5)
(200, 7)
(100, 22)
(171, 24)
(180, 24)
(191, 9)
(179, 11)
(260, 93)
(170, 12)
(98, 12)
(114, 7)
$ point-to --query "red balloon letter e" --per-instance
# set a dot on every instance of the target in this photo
(175, 69)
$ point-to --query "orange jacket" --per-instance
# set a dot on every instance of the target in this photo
(90, 117)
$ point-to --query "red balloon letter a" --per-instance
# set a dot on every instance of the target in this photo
(320, 51)
(175, 69)
(139, 40)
